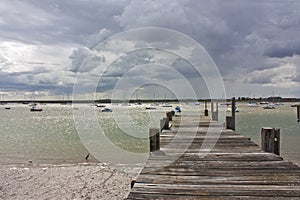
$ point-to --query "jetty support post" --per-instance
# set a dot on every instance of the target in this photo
(164, 124)
(230, 120)
(169, 115)
(205, 109)
(214, 114)
(298, 114)
(270, 140)
(154, 135)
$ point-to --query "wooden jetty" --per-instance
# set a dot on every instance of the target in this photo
(235, 168)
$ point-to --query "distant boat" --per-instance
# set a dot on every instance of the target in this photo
(138, 103)
(150, 108)
(279, 104)
(35, 109)
(196, 103)
(269, 107)
(106, 110)
(264, 103)
(229, 109)
(177, 109)
(252, 104)
(166, 105)
(7, 108)
(100, 105)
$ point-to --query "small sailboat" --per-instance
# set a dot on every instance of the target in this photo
(35, 109)
(166, 105)
(100, 105)
(269, 107)
(252, 104)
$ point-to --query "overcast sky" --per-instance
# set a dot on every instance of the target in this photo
(254, 43)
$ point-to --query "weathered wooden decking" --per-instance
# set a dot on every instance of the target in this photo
(236, 168)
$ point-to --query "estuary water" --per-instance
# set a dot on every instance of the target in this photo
(64, 134)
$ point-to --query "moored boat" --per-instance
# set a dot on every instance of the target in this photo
(166, 105)
(264, 103)
(150, 108)
(177, 109)
(252, 104)
(100, 105)
(35, 109)
(269, 107)
(106, 110)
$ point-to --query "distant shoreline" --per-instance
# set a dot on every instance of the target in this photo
(238, 99)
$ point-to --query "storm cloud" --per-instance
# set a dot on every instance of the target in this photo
(44, 43)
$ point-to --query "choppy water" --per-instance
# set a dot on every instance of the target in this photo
(51, 137)
(250, 120)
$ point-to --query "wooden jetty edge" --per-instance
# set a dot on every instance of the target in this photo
(235, 168)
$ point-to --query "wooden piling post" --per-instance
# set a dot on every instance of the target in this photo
(229, 124)
(164, 124)
(215, 114)
(298, 114)
(206, 110)
(233, 108)
(154, 135)
(270, 140)
(169, 115)
(230, 120)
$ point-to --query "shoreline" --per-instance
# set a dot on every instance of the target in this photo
(66, 181)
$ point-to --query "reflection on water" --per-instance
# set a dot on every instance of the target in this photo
(50, 136)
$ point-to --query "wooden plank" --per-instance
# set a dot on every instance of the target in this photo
(216, 190)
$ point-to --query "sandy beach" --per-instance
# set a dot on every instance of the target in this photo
(81, 181)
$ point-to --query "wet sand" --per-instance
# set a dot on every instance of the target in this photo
(81, 181)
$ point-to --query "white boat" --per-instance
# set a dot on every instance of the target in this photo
(229, 109)
(166, 105)
(252, 104)
(269, 107)
(35, 109)
(264, 103)
(33, 104)
(100, 105)
(279, 104)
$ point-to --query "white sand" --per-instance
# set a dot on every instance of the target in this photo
(83, 181)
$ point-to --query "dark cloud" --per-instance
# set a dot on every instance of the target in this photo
(288, 50)
(53, 21)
